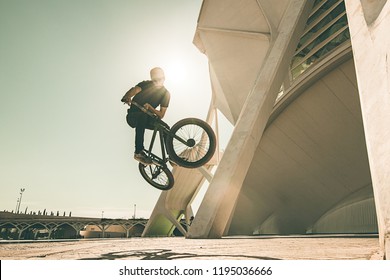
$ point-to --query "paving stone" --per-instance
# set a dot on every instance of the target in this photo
(179, 248)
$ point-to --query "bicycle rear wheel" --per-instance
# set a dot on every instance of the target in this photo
(200, 143)
(158, 176)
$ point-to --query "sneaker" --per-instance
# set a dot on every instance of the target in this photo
(143, 158)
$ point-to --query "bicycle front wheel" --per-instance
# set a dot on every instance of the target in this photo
(196, 145)
(158, 176)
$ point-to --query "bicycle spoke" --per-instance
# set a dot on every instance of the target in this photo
(193, 143)
(201, 139)
(155, 173)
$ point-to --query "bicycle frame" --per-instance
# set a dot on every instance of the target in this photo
(160, 127)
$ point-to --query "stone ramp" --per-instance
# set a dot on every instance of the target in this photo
(175, 204)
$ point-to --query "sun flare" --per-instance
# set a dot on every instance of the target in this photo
(175, 71)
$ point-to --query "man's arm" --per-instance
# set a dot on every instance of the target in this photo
(130, 94)
(160, 113)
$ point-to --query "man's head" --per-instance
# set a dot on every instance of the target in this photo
(157, 76)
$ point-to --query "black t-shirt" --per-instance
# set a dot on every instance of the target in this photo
(152, 95)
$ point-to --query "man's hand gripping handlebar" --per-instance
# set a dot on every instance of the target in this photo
(143, 109)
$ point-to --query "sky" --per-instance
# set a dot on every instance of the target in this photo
(64, 66)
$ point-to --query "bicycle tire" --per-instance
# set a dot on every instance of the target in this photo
(159, 177)
(203, 141)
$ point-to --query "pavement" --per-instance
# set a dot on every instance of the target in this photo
(306, 247)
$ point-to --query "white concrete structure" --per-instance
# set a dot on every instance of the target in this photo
(310, 104)
(369, 22)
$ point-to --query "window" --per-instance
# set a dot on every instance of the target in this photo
(326, 28)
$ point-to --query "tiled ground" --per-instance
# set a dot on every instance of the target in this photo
(266, 248)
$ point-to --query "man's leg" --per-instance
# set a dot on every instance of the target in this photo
(139, 121)
(142, 124)
(142, 120)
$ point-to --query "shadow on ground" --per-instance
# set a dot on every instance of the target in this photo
(163, 254)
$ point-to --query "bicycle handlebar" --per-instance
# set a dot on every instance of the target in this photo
(143, 109)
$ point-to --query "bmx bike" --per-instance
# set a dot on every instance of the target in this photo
(190, 143)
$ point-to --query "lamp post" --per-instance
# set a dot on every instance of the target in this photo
(17, 204)
(135, 207)
(19, 200)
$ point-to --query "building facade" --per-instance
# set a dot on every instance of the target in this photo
(306, 86)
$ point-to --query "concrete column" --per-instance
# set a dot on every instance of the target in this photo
(369, 23)
(218, 204)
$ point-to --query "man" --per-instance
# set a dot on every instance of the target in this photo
(149, 94)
